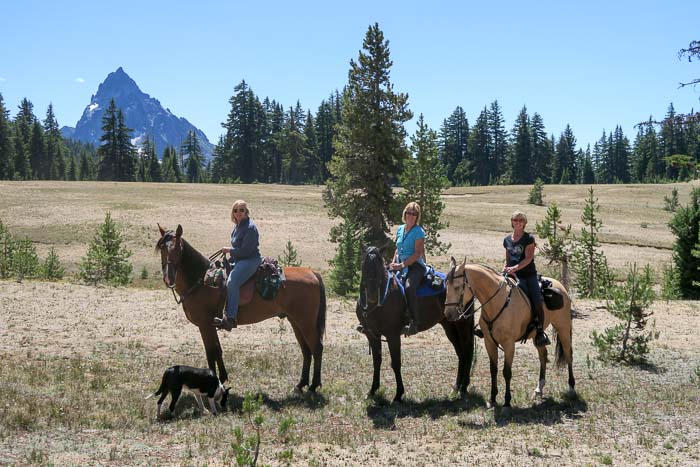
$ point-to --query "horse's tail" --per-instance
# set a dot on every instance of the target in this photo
(560, 359)
(321, 319)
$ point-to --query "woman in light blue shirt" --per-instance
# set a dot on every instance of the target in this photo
(410, 260)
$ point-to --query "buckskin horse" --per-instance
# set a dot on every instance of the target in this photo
(302, 300)
(504, 319)
(380, 310)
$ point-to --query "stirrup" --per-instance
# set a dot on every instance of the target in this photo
(410, 329)
(226, 323)
(478, 332)
(541, 339)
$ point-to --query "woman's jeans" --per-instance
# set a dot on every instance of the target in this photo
(531, 286)
(241, 272)
(415, 274)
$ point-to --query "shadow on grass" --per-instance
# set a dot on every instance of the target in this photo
(310, 400)
(547, 412)
(384, 413)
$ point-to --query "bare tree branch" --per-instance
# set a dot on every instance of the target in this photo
(693, 51)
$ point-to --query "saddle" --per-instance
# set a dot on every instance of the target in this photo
(433, 283)
(267, 280)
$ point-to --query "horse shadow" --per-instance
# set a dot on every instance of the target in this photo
(547, 412)
(309, 400)
(384, 413)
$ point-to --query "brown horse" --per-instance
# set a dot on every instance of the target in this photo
(380, 310)
(302, 299)
(505, 315)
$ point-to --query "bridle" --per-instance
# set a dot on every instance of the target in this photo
(470, 306)
(175, 266)
(366, 310)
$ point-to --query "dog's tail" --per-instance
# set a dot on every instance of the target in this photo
(161, 388)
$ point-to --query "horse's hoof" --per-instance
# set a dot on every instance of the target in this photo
(571, 394)
(505, 411)
(490, 405)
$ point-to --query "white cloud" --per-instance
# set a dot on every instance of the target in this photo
(79, 80)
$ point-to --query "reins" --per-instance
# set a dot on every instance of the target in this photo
(197, 284)
(365, 312)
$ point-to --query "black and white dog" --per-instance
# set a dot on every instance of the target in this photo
(200, 381)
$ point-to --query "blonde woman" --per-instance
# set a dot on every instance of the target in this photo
(245, 258)
(520, 261)
(410, 260)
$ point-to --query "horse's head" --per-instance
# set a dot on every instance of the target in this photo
(458, 290)
(170, 246)
(373, 276)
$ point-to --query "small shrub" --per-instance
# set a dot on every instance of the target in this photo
(627, 341)
(6, 249)
(51, 268)
(107, 257)
(672, 203)
(25, 262)
(536, 196)
(644, 225)
(289, 257)
(346, 263)
(144, 273)
(670, 289)
(246, 449)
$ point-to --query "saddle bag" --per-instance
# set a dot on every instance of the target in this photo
(553, 298)
(216, 275)
(269, 278)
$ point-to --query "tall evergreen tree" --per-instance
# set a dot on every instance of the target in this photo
(117, 157)
(24, 121)
(565, 170)
(194, 163)
(325, 132)
(424, 180)
(521, 165)
(454, 143)
(478, 165)
(685, 225)
(37, 153)
(542, 150)
(293, 150)
(313, 170)
(153, 172)
(370, 145)
(621, 156)
(7, 149)
(54, 147)
(498, 137)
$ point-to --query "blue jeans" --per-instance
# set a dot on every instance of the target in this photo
(531, 286)
(241, 272)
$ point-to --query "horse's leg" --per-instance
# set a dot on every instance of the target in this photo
(492, 351)
(394, 344)
(212, 347)
(318, 359)
(306, 353)
(375, 346)
(453, 335)
(466, 339)
(542, 352)
(564, 348)
(508, 353)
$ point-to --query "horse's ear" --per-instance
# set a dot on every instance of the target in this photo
(178, 232)
(465, 261)
(453, 263)
(162, 231)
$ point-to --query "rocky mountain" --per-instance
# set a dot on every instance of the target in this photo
(142, 113)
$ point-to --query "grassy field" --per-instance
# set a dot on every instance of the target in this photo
(78, 361)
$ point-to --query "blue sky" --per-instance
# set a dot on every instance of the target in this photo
(592, 65)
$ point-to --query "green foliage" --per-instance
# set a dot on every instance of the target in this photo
(536, 196)
(51, 268)
(194, 164)
(424, 180)
(117, 156)
(672, 203)
(370, 145)
(557, 246)
(6, 249)
(627, 342)
(247, 448)
(144, 273)
(670, 289)
(289, 257)
(346, 263)
(685, 225)
(107, 257)
(592, 276)
(25, 262)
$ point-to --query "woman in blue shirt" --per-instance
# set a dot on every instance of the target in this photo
(245, 256)
(410, 260)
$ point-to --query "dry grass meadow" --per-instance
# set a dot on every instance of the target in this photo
(77, 361)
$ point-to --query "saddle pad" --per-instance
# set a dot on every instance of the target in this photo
(426, 288)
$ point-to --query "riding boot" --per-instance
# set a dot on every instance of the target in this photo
(226, 323)
(412, 327)
(541, 338)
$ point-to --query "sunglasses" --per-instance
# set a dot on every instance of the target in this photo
(242, 210)
(411, 213)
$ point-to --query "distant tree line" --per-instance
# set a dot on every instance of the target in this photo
(264, 142)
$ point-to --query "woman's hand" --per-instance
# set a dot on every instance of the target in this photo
(509, 269)
(396, 266)
(226, 249)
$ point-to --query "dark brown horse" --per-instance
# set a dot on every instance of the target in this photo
(302, 300)
(380, 310)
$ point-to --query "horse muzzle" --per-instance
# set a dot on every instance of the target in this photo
(451, 313)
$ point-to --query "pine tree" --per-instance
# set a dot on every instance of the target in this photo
(592, 277)
(536, 196)
(289, 257)
(24, 121)
(685, 225)
(347, 261)
(293, 150)
(7, 246)
(498, 141)
(313, 172)
(454, 141)
(7, 150)
(51, 268)
(193, 151)
(107, 257)
(587, 171)
(424, 180)
(54, 147)
(627, 342)
(557, 244)
(25, 262)
(521, 165)
(476, 168)
(117, 157)
(565, 157)
(542, 150)
(325, 132)
(370, 145)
